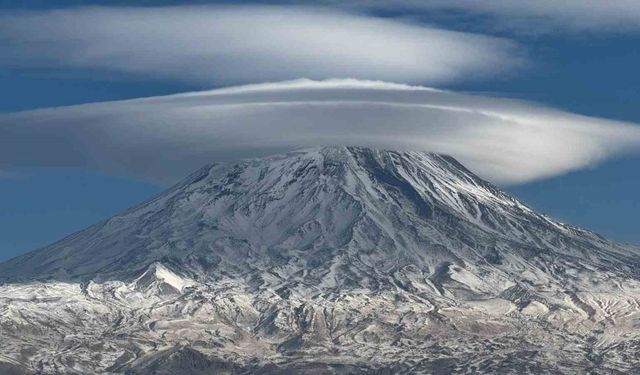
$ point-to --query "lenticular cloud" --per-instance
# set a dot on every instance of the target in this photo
(161, 139)
(240, 44)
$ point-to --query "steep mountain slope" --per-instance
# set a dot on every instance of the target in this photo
(335, 260)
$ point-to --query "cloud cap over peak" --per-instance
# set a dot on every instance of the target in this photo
(162, 139)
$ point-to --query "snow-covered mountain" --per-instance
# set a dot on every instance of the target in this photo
(327, 260)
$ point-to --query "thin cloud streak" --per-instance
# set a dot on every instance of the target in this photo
(161, 139)
(546, 16)
(243, 44)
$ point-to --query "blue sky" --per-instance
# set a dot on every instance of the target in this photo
(573, 63)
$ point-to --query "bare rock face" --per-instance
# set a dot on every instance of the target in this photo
(333, 260)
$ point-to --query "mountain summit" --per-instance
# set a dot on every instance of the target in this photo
(332, 259)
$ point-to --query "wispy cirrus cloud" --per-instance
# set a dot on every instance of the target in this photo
(162, 138)
(242, 44)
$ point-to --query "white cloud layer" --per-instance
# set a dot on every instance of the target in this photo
(538, 15)
(162, 139)
(242, 44)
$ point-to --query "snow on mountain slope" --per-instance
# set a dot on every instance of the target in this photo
(332, 259)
